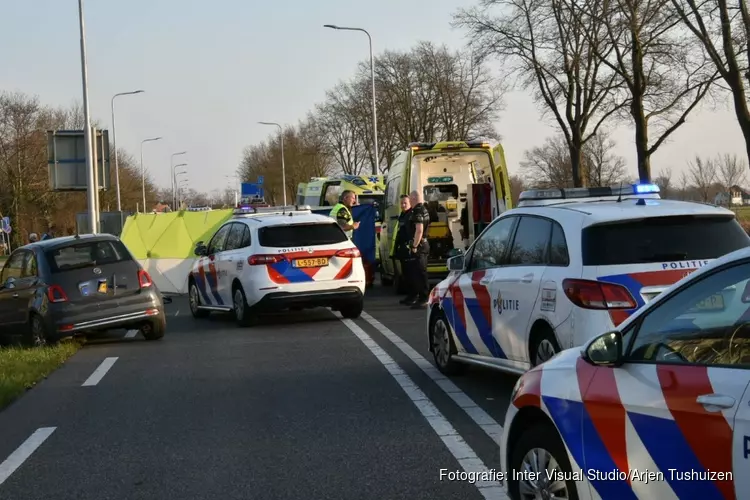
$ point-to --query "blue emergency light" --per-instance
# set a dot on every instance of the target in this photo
(645, 188)
(554, 194)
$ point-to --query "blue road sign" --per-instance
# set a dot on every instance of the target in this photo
(249, 189)
(260, 180)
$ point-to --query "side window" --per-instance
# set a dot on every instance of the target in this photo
(234, 239)
(489, 249)
(558, 247)
(531, 242)
(30, 268)
(217, 243)
(14, 267)
(245, 237)
(707, 323)
(333, 191)
(392, 192)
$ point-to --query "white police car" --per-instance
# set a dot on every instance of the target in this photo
(565, 266)
(265, 260)
(658, 408)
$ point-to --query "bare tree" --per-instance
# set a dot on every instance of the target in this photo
(665, 183)
(555, 47)
(702, 176)
(550, 165)
(666, 74)
(731, 170)
(723, 30)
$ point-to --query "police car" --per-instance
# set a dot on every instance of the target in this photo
(657, 408)
(565, 266)
(265, 260)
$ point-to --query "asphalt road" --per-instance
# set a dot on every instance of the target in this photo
(303, 406)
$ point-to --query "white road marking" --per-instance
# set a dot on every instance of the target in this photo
(480, 417)
(23, 452)
(463, 453)
(177, 312)
(130, 334)
(100, 372)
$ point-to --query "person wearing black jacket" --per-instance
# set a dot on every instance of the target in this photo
(401, 251)
(419, 250)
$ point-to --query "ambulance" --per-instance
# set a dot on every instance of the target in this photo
(465, 185)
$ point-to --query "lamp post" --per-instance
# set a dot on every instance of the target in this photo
(143, 172)
(177, 189)
(174, 181)
(90, 177)
(114, 140)
(283, 169)
(183, 183)
(172, 167)
(374, 109)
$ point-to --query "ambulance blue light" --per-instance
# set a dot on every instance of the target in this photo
(645, 188)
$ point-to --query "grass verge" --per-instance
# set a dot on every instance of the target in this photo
(21, 369)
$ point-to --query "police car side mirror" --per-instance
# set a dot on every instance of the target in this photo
(200, 249)
(605, 350)
(456, 263)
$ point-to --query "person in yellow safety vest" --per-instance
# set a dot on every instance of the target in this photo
(342, 212)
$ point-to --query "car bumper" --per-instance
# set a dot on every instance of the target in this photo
(112, 314)
(319, 298)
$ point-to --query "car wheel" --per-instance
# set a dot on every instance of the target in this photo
(154, 330)
(195, 301)
(540, 454)
(353, 309)
(37, 336)
(545, 346)
(443, 346)
(242, 313)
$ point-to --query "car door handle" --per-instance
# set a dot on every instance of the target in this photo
(715, 402)
(485, 281)
(15, 295)
(528, 278)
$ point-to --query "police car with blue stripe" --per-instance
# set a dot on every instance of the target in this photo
(271, 259)
(565, 266)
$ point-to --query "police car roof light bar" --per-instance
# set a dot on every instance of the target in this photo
(646, 190)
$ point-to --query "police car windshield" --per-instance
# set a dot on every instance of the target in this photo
(660, 239)
(300, 235)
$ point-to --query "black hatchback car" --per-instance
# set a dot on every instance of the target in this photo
(76, 285)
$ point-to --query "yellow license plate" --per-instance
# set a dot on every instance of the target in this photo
(103, 287)
(712, 303)
(319, 262)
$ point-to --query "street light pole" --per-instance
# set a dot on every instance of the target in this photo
(376, 165)
(283, 168)
(114, 140)
(90, 178)
(174, 179)
(171, 172)
(143, 172)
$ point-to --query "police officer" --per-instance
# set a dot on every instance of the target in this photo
(403, 235)
(342, 212)
(419, 250)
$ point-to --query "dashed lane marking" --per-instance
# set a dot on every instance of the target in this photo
(23, 452)
(100, 372)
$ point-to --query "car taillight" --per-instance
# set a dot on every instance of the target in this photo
(55, 293)
(598, 295)
(144, 280)
(260, 260)
(350, 253)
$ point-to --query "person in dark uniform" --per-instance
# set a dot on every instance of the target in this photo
(401, 247)
(419, 250)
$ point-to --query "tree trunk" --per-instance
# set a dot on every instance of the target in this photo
(576, 157)
(636, 109)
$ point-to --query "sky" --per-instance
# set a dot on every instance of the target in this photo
(212, 70)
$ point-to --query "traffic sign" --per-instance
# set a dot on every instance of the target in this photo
(248, 189)
(260, 180)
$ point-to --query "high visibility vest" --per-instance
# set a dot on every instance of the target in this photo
(334, 214)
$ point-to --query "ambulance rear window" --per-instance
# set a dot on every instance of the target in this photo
(662, 239)
(300, 235)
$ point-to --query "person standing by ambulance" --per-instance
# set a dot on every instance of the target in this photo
(342, 212)
(419, 250)
(401, 247)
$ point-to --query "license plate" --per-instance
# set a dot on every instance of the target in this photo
(712, 303)
(318, 262)
(103, 287)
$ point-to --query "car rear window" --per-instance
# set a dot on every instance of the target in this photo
(89, 254)
(300, 235)
(660, 239)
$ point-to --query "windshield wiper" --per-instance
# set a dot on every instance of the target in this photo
(661, 257)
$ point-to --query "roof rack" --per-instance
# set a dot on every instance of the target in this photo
(553, 196)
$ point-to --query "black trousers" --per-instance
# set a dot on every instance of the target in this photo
(415, 274)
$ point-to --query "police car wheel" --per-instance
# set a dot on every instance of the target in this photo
(443, 346)
(243, 316)
(539, 454)
(544, 347)
(195, 300)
